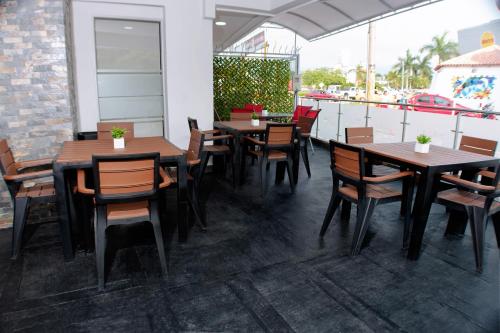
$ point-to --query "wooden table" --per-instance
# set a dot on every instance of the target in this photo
(78, 155)
(431, 165)
(241, 128)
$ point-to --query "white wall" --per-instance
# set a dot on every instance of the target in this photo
(187, 59)
(443, 79)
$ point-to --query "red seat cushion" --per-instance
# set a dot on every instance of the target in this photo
(254, 107)
(301, 111)
(312, 114)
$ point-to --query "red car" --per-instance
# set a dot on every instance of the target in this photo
(319, 94)
(426, 102)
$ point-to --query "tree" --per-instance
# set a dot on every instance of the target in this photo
(423, 72)
(441, 47)
(407, 65)
(325, 76)
(393, 78)
(360, 76)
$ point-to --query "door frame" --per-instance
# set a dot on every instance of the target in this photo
(84, 53)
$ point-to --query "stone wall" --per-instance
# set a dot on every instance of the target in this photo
(36, 115)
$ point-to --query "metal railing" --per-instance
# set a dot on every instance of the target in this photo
(404, 110)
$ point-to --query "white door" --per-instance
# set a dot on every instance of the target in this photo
(129, 74)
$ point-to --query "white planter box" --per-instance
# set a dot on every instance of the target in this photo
(119, 143)
(422, 148)
(255, 122)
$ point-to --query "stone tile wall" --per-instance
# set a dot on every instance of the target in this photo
(36, 113)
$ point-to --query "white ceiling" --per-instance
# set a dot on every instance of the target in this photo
(308, 18)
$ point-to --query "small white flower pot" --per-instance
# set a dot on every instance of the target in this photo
(422, 147)
(255, 122)
(119, 143)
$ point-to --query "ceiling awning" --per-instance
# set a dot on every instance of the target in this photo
(311, 19)
(319, 18)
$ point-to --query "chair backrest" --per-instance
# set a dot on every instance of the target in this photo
(254, 107)
(478, 145)
(347, 162)
(313, 113)
(305, 124)
(355, 135)
(241, 116)
(193, 124)
(280, 135)
(104, 129)
(130, 176)
(300, 110)
(195, 145)
(7, 162)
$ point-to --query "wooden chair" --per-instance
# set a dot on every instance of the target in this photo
(104, 129)
(15, 174)
(222, 147)
(305, 124)
(478, 202)
(357, 135)
(126, 191)
(348, 167)
(241, 116)
(278, 146)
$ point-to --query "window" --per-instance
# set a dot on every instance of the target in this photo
(441, 101)
(424, 99)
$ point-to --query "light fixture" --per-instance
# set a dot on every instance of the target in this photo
(220, 23)
(128, 28)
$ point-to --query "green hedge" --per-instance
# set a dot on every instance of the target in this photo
(239, 80)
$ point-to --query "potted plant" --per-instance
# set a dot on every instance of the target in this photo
(255, 119)
(423, 144)
(118, 137)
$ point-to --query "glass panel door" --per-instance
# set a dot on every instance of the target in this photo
(129, 76)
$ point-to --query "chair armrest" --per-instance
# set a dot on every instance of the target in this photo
(166, 180)
(194, 162)
(218, 137)
(389, 178)
(254, 141)
(20, 177)
(467, 184)
(34, 163)
(211, 131)
(80, 183)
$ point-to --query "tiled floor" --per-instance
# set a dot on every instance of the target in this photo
(260, 267)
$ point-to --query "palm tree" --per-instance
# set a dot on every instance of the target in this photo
(406, 65)
(441, 47)
(423, 72)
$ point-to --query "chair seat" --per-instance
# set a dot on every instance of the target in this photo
(273, 154)
(37, 191)
(372, 191)
(217, 149)
(129, 210)
(465, 198)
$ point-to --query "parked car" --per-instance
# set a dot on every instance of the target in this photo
(427, 102)
(319, 94)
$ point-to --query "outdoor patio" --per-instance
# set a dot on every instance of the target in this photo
(260, 266)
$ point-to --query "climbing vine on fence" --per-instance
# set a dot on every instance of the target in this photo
(239, 80)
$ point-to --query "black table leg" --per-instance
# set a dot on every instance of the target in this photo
(280, 172)
(421, 210)
(296, 160)
(182, 204)
(62, 211)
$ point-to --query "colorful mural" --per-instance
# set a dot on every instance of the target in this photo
(473, 87)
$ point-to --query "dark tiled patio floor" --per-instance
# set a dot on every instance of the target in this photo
(260, 267)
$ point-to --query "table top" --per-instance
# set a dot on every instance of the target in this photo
(242, 125)
(82, 151)
(437, 156)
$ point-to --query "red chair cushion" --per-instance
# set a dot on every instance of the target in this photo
(237, 110)
(301, 111)
(313, 114)
(254, 107)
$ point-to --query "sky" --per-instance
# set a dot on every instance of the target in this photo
(394, 35)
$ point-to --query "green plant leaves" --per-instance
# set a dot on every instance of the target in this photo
(239, 80)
